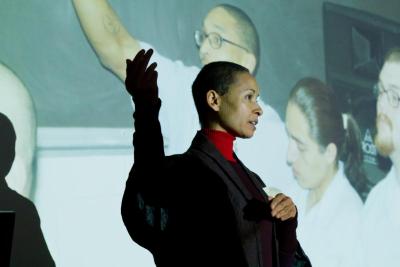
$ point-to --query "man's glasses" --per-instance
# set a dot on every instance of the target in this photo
(214, 39)
(392, 96)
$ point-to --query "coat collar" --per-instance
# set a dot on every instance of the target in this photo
(208, 154)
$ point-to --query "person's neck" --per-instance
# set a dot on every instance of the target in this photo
(223, 141)
(315, 195)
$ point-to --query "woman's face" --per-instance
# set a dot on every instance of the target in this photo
(238, 110)
(308, 160)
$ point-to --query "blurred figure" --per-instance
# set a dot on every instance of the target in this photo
(319, 138)
(381, 229)
(16, 103)
(227, 34)
(29, 246)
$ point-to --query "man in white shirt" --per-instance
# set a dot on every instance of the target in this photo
(227, 35)
(328, 232)
(381, 221)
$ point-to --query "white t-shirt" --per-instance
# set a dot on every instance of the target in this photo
(381, 223)
(178, 117)
(329, 231)
(265, 153)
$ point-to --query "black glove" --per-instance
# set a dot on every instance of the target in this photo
(141, 79)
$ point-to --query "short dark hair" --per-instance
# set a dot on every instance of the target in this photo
(7, 145)
(246, 29)
(319, 105)
(217, 76)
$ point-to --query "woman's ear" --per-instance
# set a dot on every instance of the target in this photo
(213, 100)
(331, 153)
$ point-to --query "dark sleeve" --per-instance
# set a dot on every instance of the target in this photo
(43, 256)
(286, 235)
(147, 138)
(29, 245)
(140, 205)
(205, 230)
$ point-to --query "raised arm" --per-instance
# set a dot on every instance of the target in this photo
(141, 84)
(143, 187)
(105, 32)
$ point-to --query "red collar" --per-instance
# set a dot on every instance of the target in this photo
(223, 142)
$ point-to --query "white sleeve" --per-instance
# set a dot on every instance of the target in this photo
(178, 116)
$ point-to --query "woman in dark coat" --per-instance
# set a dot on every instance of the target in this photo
(203, 207)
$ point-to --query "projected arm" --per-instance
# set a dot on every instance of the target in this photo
(105, 32)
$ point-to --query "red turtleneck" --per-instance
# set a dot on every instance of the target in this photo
(223, 142)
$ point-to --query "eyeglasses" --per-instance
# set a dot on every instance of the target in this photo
(392, 96)
(214, 39)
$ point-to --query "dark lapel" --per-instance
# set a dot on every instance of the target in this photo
(203, 149)
(253, 177)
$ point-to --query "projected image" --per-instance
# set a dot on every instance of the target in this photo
(62, 86)
(322, 159)
(27, 245)
(16, 103)
(227, 34)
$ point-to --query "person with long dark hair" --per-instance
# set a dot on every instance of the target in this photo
(324, 151)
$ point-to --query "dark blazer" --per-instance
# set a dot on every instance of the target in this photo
(187, 209)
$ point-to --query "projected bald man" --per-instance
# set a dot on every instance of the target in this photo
(227, 34)
(16, 103)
